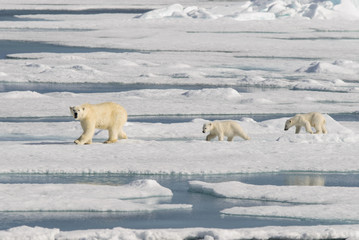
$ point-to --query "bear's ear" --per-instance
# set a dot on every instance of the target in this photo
(83, 109)
(209, 124)
(71, 108)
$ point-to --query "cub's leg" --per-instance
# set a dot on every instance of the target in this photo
(210, 137)
(308, 128)
(318, 130)
(229, 139)
(220, 137)
(324, 129)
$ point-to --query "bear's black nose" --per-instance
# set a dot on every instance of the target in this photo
(75, 115)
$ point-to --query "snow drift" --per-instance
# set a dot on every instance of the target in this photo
(265, 10)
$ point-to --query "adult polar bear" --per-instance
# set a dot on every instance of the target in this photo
(307, 120)
(109, 116)
(227, 128)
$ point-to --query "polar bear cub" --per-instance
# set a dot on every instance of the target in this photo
(227, 128)
(109, 116)
(307, 120)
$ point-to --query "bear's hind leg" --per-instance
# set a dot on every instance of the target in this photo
(245, 137)
(122, 134)
(112, 136)
(229, 139)
(318, 130)
(324, 130)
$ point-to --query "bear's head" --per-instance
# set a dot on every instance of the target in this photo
(78, 112)
(288, 124)
(207, 127)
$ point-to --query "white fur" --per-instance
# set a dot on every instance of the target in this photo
(109, 116)
(307, 120)
(227, 128)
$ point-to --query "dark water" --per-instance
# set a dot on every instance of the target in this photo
(205, 212)
(11, 47)
(11, 14)
(104, 87)
(175, 118)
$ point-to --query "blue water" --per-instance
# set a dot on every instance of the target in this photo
(11, 14)
(103, 87)
(205, 212)
(11, 47)
(354, 116)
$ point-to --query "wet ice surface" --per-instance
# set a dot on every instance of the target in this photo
(174, 69)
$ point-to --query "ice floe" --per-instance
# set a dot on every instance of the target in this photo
(197, 102)
(294, 232)
(86, 197)
(329, 203)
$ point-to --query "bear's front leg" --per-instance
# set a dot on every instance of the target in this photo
(220, 137)
(210, 137)
(86, 137)
(77, 141)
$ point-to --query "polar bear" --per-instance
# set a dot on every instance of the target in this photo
(307, 120)
(110, 116)
(227, 128)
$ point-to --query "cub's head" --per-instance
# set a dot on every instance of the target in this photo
(207, 127)
(288, 124)
(78, 112)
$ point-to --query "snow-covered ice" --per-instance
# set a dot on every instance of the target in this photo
(86, 197)
(194, 59)
(180, 148)
(316, 232)
(181, 102)
(330, 203)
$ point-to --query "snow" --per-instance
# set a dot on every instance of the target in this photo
(317, 232)
(269, 10)
(187, 59)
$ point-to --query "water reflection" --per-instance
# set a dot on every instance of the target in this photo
(304, 180)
